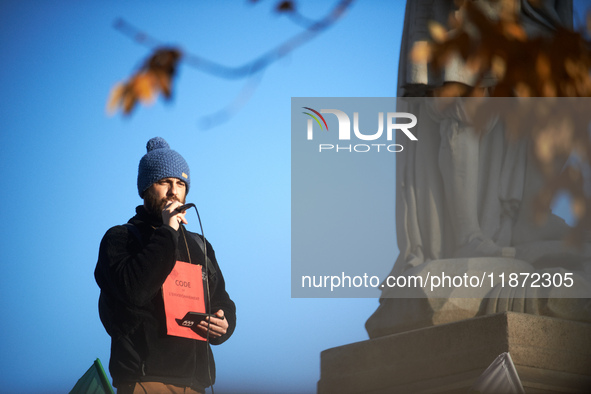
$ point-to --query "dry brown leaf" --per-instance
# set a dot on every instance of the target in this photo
(421, 52)
(475, 64)
(437, 31)
(543, 66)
(128, 102)
(144, 87)
(514, 31)
(571, 67)
(579, 207)
(452, 90)
(498, 67)
(544, 147)
(509, 10)
(285, 6)
(523, 90)
(557, 64)
(154, 77)
(115, 97)
(548, 89)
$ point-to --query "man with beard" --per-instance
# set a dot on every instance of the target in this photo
(134, 263)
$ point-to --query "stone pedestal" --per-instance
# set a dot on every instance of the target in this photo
(551, 356)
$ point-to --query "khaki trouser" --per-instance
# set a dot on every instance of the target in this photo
(155, 388)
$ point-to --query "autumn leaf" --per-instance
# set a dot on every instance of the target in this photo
(551, 65)
(285, 6)
(154, 77)
(514, 31)
(437, 31)
(421, 52)
(498, 67)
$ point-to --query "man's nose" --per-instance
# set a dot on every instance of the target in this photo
(172, 189)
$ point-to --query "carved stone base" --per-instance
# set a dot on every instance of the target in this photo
(551, 356)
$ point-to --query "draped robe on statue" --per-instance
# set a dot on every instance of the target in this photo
(465, 201)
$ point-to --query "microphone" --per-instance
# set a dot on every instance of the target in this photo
(183, 208)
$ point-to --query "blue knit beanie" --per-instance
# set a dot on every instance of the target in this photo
(161, 162)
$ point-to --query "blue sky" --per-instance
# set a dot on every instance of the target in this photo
(69, 173)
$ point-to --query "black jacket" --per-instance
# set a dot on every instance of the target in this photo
(130, 273)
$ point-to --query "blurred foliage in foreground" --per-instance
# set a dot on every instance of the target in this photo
(555, 65)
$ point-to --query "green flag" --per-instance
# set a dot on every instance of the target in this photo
(94, 381)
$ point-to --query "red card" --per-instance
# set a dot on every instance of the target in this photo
(183, 292)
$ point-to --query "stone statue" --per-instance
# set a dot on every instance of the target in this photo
(463, 202)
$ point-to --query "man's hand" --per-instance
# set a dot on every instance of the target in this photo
(170, 215)
(217, 326)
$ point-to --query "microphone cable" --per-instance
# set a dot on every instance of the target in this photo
(209, 351)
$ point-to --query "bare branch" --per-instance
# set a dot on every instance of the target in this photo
(251, 67)
(223, 115)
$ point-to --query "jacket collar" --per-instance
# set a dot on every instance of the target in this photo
(142, 215)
